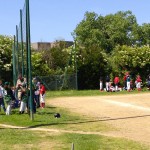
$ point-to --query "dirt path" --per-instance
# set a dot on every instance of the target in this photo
(129, 113)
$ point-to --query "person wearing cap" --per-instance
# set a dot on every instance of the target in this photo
(36, 92)
(19, 83)
(42, 95)
(8, 97)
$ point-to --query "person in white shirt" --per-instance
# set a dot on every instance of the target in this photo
(2, 104)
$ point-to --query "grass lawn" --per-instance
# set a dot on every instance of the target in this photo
(16, 139)
(67, 93)
(21, 139)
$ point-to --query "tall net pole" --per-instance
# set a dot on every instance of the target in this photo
(14, 62)
(29, 58)
(22, 48)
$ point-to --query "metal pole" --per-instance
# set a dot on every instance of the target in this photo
(17, 52)
(14, 63)
(72, 148)
(76, 65)
(29, 58)
(22, 49)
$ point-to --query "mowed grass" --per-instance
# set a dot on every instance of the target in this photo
(44, 118)
(16, 139)
(67, 93)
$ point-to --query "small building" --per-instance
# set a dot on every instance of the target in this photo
(41, 45)
(49, 45)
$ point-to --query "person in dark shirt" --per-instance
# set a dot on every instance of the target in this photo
(8, 97)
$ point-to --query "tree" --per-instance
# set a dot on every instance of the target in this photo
(106, 32)
(39, 66)
(56, 57)
(6, 43)
(134, 59)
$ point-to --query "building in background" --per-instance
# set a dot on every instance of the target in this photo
(49, 45)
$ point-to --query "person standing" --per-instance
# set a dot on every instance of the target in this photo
(116, 82)
(36, 92)
(101, 84)
(107, 83)
(24, 99)
(128, 83)
(8, 97)
(42, 95)
(2, 104)
(148, 82)
(138, 83)
(19, 83)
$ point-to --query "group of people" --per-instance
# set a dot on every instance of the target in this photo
(19, 96)
(112, 86)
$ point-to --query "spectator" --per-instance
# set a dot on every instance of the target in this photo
(8, 97)
(2, 96)
(107, 83)
(116, 82)
(42, 95)
(148, 82)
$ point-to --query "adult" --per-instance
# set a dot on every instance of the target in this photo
(24, 99)
(20, 82)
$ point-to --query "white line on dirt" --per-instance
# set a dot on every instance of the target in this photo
(128, 105)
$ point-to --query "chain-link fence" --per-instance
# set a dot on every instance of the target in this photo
(57, 82)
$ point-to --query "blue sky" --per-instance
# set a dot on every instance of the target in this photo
(55, 19)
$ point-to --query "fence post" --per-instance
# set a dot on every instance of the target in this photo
(22, 49)
(29, 57)
(72, 148)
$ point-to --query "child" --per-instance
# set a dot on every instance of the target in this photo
(101, 85)
(111, 87)
(42, 95)
(2, 104)
(8, 97)
(107, 83)
(138, 83)
(128, 83)
(116, 82)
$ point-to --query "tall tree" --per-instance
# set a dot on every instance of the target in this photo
(108, 31)
(6, 43)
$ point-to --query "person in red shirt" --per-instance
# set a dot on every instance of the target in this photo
(138, 83)
(42, 95)
(116, 82)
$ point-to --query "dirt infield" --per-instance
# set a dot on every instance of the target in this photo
(130, 114)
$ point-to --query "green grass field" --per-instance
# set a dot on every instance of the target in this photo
(21, 139)
(67, 93)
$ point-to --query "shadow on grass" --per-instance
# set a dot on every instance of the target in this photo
(88, 121)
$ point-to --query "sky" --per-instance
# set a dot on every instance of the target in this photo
(52, 20)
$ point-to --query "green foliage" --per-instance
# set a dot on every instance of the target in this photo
(6, 57)
(133, 59)
(106, 32)
(39, 66)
